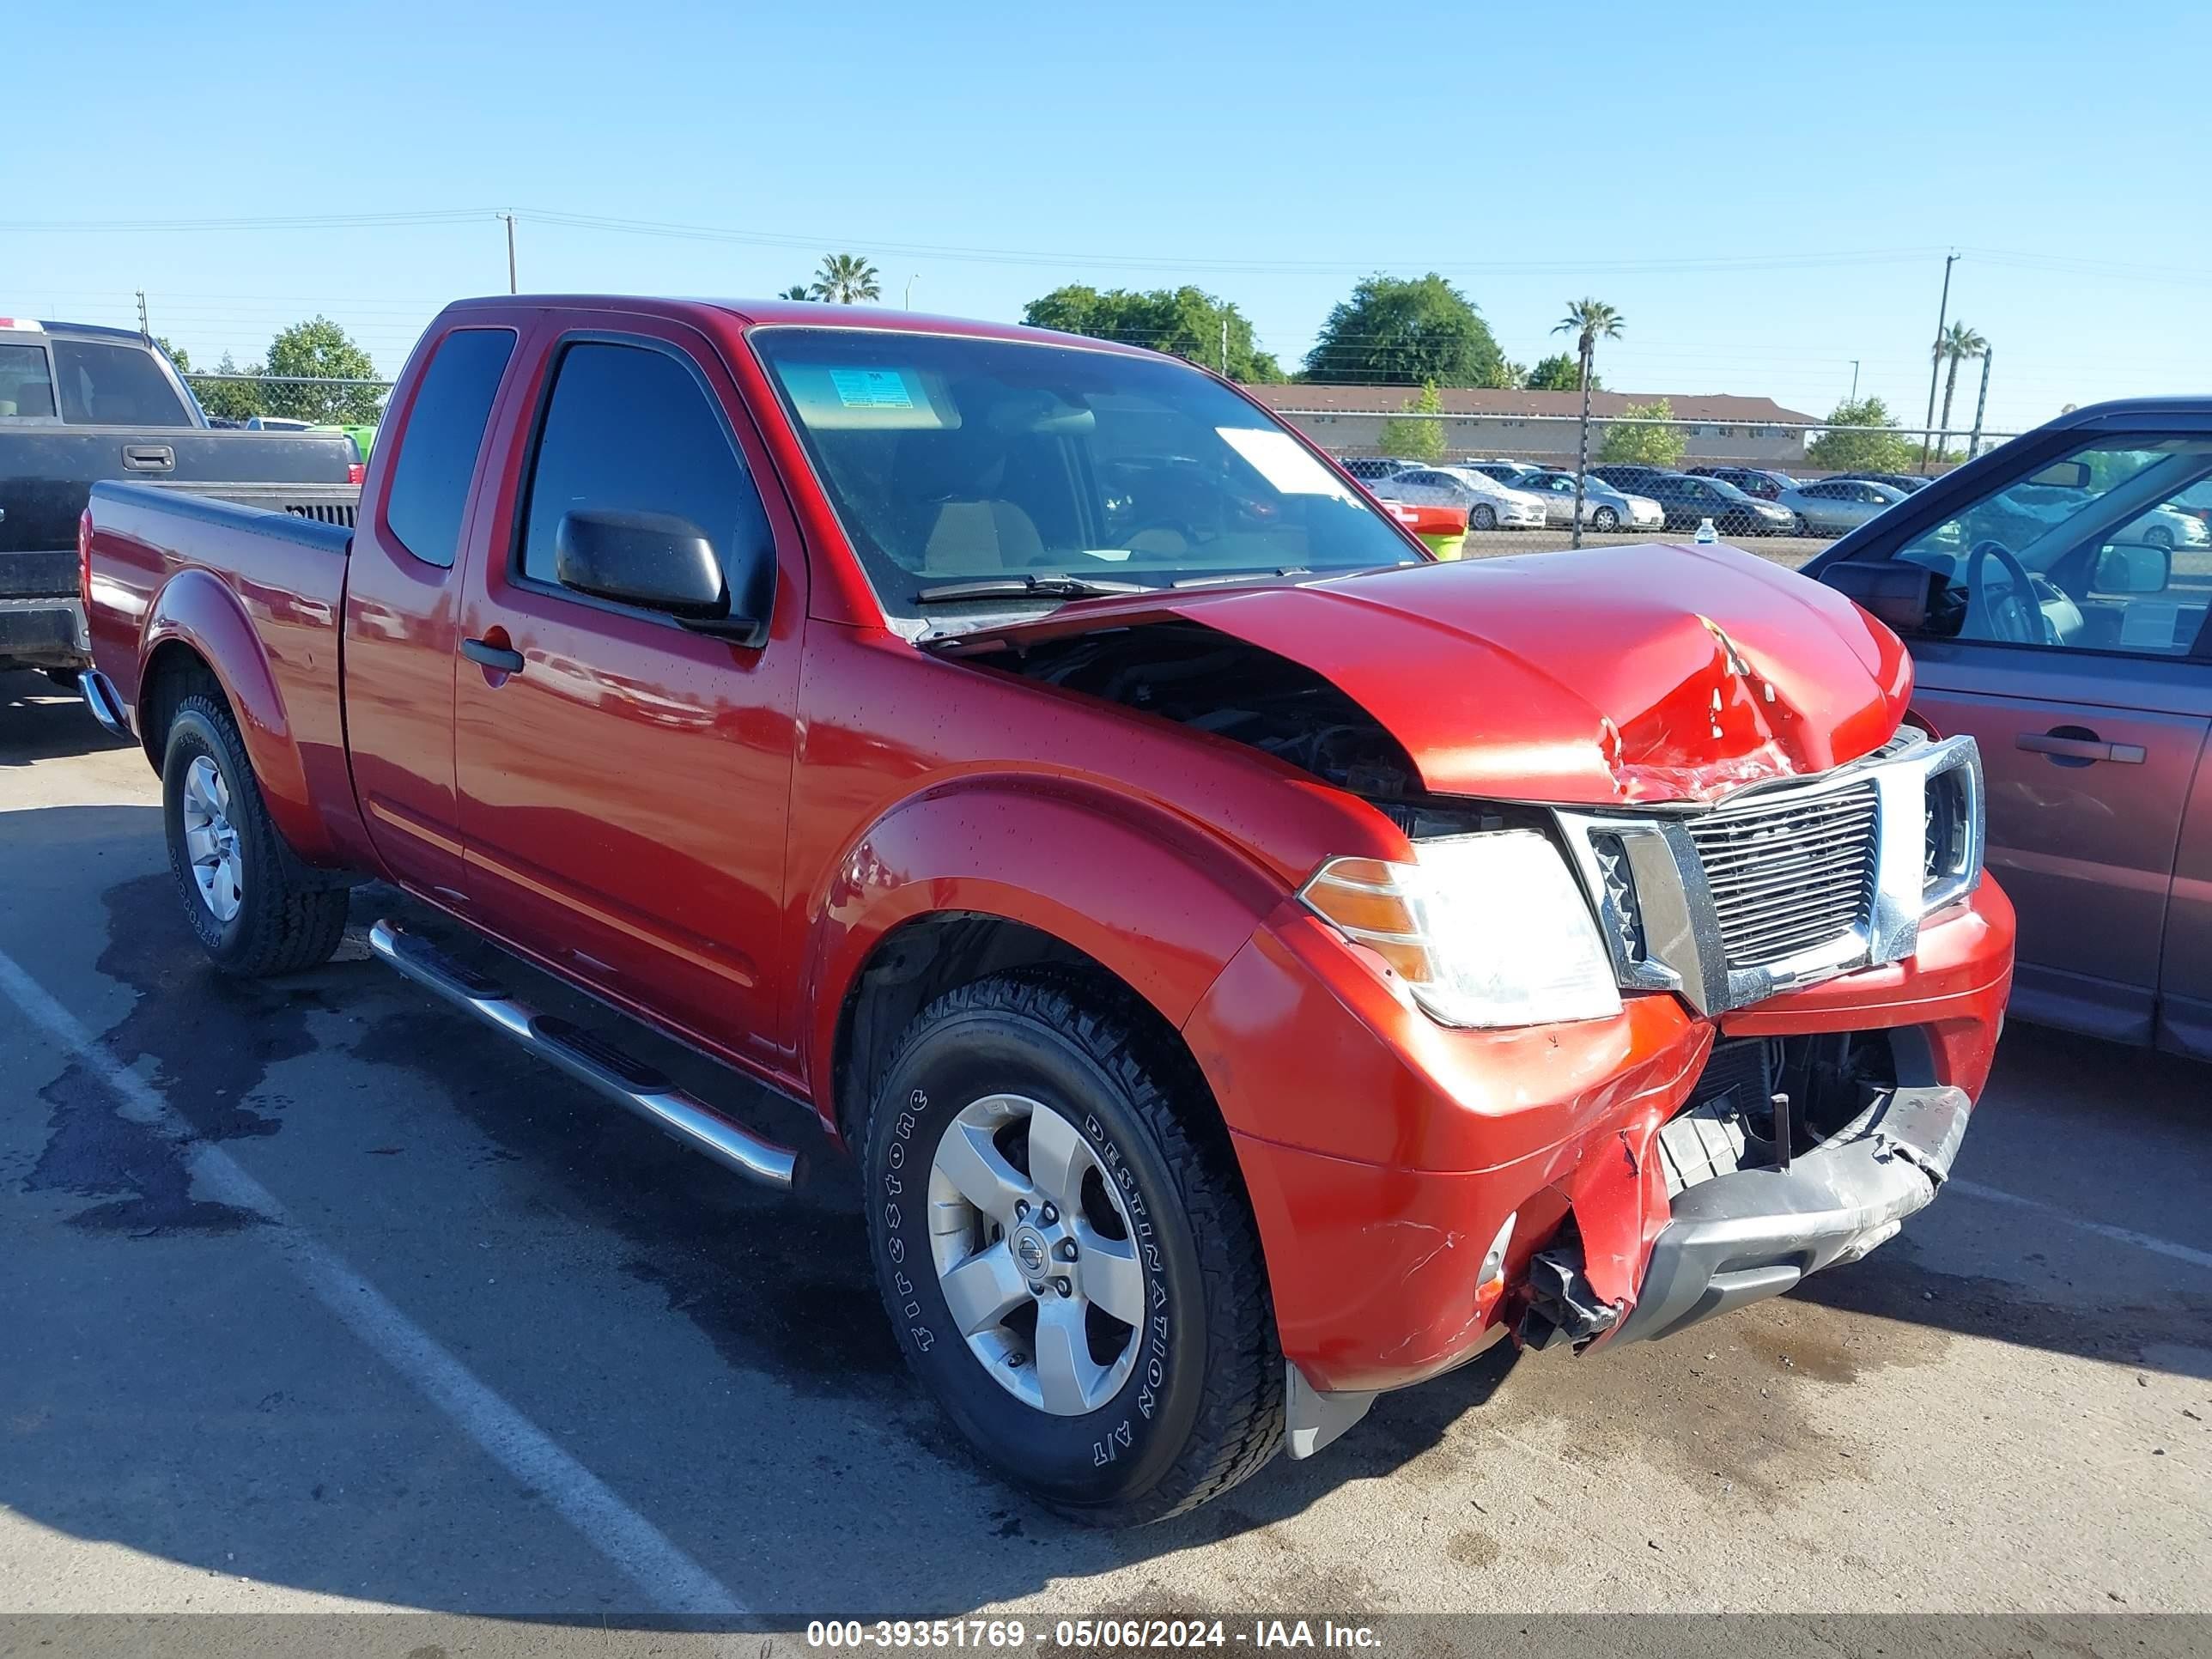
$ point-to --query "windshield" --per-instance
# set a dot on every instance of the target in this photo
(953, 461)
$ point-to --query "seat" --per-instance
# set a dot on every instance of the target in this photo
(981, 537)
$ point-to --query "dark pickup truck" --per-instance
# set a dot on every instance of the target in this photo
(80, 404)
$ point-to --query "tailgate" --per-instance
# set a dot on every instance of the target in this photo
(46, 474)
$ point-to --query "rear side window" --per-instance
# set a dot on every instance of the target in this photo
(26, 393)
(630, 428)
(437, 452)
(114, 385)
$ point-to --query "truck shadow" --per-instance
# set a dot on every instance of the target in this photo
(41, 720)
(812, 1466)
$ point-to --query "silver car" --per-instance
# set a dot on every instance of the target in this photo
(1490, 504)
(1832, 506)
(1604, 507)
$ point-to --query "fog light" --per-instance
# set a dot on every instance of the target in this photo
(1489, 1282)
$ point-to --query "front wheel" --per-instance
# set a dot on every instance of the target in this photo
(1066, 1249)
(1605, 518)
(254, 908)
(1483, 518)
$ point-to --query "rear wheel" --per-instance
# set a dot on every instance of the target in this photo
(255, 909)
(1065, 1247)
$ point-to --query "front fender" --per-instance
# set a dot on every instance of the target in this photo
(1159, 901)
(195, 609)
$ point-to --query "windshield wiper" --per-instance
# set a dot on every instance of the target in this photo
(1244, 576)
(1026, 588)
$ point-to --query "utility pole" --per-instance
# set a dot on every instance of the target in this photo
(509, 218)
(910, 281)
(1981, 403)
(144, 332)
(1225, 348)
(1855, 379)
(1936, 361)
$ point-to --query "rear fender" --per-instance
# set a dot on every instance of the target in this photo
(194, 609)
(1151, 898)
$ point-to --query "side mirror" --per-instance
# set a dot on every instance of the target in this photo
(1900, 594)
(2132, 568)
(657, 561)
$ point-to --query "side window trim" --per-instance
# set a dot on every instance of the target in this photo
(556, 356)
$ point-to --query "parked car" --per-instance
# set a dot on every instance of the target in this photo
(79, 403)
(1372, 469)
(1509, 473)
(1687, 502)
(1490, 504)
(1751, 480)
(2048, 621)
(1604, 507)
(1194, 907)
(1632, 476)
(1830, 506)
(1911, 483)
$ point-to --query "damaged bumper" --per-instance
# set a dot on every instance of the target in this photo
(1757, 1232)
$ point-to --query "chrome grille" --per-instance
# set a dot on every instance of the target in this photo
(1787, 873)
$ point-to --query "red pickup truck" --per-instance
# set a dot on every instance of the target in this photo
(1255, 964)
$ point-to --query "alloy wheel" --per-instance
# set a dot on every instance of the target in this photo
(1035, 1255)
(212, 839)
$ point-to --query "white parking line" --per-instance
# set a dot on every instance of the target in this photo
(669, 1578)
(2150, 1242)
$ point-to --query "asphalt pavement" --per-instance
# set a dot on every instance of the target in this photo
(317, 1297)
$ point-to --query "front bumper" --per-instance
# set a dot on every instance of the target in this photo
(1756, 1233)
(43, 632)
(1383, 1152)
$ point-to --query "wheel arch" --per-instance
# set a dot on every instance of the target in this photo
(196, 625)
(953, 886)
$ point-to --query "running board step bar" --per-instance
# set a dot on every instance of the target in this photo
(589, 1059)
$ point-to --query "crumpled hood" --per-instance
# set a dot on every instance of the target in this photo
(1625, 673)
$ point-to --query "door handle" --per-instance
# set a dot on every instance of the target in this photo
(148, 458)
(2080, 749)
(492, 656)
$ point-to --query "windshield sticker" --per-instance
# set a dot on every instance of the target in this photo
(870, 388)
(1283, 462)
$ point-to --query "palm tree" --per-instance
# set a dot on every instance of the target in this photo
(846, 279)
(796, 291)
(1959, 344)
(1589, 321)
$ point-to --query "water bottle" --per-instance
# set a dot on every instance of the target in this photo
(1706, 533)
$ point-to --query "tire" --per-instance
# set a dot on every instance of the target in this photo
(1605, 518)
(1483, 518)
(1199, 1405)
(279, 921)
(2159, 536)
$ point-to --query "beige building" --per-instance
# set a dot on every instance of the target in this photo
(1542, 426)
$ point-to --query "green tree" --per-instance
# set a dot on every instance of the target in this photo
(1648, 445)
(176, 355)
(846, 279)
(230, 400)
(1186, 321)
(1960, 345)
(319, 349)
(797, 291)
(1418, 435)
(1589, 321)
(1405, 331)
(1560, 373)
(1861, 437)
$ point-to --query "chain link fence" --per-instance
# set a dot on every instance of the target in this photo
(236, 400)
(1783, 488)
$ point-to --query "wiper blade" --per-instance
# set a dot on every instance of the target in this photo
(1244, 576)
(1026, 588)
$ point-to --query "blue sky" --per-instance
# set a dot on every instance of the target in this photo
(1766, 191)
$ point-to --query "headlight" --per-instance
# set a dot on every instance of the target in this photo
(1485, 929)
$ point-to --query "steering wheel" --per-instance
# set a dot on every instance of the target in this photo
(2007, 610)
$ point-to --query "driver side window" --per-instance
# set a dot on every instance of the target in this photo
(2107, 550)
